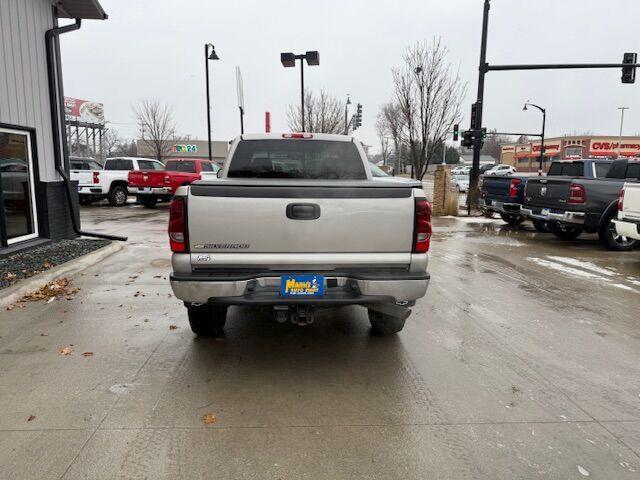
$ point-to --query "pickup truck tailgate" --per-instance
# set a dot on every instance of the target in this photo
(301, 218)
(144, 178)
(631, 202)
(548, 192)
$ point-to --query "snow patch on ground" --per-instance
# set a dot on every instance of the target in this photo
(585, 265)
(565, 269)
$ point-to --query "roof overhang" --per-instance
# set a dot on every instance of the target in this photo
(85, 9)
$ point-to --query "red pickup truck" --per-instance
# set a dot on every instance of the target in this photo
(152, 186)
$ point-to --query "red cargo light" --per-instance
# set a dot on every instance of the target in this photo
(577, 194)
(422, 226)
(513, 187)
(178, 225)
(96, 178)
(167, 180)
(297, 135)
(621, 200)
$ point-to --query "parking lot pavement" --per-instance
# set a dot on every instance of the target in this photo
(523, 361)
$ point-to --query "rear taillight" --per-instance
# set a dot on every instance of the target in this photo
(167, 180)
(96, 178)
(576, 194)
(513, 187)
(621, 200)
(177, 225)
(422, 226)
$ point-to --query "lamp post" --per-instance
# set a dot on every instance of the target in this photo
(288, 59)
(209, 54)
(622, 109)
(346, 114)
(544, 121)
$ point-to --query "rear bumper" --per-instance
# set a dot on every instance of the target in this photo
(502, 207)
(264, 289)
(150, 191)
(89, 190)
(577, 218)
(628, 229)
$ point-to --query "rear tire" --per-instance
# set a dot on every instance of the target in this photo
(118, 196)
(565, 232)
(147, 202)
(610, 238)
(541, 225)
(511, 219)
(84, 200)
(206, 320)
(385, 324)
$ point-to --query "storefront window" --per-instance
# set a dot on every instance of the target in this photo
(16, 186)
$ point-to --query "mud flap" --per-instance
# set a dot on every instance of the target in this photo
(391, 309)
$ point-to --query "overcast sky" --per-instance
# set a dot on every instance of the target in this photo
(154, 49)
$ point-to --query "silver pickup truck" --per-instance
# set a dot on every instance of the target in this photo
(297, 222)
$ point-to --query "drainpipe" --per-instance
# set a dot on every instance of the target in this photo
(56, 102)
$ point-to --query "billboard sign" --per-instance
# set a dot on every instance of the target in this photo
(608, 147)
(84, 111)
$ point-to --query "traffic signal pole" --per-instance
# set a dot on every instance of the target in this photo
(474, 194)
(628, 66)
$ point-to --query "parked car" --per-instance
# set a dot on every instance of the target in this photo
(504, 195)
(461, 170)
(460, 182)
(110, 182)
(501, 170)
(284, 227)
(628, 222)
(573, 205)
(152, 186)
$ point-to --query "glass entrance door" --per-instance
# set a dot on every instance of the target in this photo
(17, 196)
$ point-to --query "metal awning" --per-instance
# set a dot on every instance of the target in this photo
(85, 9)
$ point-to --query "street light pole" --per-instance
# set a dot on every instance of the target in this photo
(346, 115)
(209, 56)
(544, 121)
(622, 109)
(289, 60)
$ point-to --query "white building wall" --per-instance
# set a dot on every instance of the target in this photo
(24, 91)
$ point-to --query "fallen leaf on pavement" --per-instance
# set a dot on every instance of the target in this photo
(31, 418)
(65, 351)
(11, 307)
(209, 419)
(87, 354)
(51, 290)
(173, 327)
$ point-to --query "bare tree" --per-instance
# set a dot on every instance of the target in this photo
(429, 94)
(391, 116)
(111, 142)
(383, 135)
(323, 113)
(493, 145)
(156, 127)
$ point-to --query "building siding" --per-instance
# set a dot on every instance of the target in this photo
(24, 97)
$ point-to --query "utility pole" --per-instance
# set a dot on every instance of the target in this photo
(622, 109)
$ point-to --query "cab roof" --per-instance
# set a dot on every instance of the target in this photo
(297, 135)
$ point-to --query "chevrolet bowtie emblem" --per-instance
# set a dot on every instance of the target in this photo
(543, 191)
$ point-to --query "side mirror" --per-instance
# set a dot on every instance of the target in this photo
(219, 173)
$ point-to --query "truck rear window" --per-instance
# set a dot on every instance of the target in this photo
(571, 169)
(173, 166)
(313, 159)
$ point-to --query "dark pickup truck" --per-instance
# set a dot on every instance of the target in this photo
(573, 205)
(505, 194)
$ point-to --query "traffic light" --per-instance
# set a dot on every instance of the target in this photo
(629, 73)
(456, 132)
(474, 119)
(484, 134)
(358, 120)
(467, 139)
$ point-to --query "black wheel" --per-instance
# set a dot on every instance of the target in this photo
(147, 202)
(118, 196)
(206, 320)
(84, 200)
(564, 231)
(512, 219)
(487, 213)
(385, 324)
(612, 240)
(541, 225)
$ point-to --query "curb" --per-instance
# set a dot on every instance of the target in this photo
(15, 292)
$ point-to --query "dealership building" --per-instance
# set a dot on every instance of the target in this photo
(185, 149)
(526, 156)
(38, 203)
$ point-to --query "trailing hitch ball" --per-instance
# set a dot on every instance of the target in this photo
(299, 315)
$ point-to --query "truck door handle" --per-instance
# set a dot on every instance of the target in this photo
(303, 211)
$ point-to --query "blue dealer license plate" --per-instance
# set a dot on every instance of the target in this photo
(302, 286)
